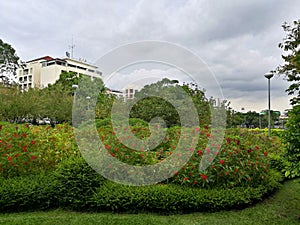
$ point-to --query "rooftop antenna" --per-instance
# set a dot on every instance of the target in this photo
(72, 48)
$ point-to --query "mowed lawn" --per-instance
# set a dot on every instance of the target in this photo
(281, 208)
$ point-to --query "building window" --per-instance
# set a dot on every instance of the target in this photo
(30, 78)
(25, 72)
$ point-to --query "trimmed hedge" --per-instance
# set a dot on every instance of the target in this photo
(77, 187)
(170, 198)
(76, 183)
(36, 192)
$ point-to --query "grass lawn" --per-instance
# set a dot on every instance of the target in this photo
(281, 208)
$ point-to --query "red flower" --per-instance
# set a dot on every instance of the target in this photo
(185, 178)
(9, 158)
(222, 161)
(207, 134)
(203, 177)
(32, 142)
(24, 135)
(33, 157)
(113, 155)
(207, 151)
(15, 135)
(107, 147)
(266, 153)
(228, 140)
(195, 182)
(27, 125)
(24, 148)
(171, 152)
(200, 152)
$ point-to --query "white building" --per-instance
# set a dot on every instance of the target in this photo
(46, 70)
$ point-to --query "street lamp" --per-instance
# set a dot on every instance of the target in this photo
(269, 76)
(88, 98)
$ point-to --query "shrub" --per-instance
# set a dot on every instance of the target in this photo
(77, 182)
(243, 160)
(170, 198)
(76, 186)
(36, 192)
(292, 137)
(26, 149)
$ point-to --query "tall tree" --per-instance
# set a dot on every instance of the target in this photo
(9, 62)
(291, 67)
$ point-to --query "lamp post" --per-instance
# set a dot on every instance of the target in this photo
(88, 98)
(75, 86)
(269, 76)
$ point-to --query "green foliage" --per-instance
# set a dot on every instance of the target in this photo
(54, 103)
(150, 105)
(28, 149)
(291, 67)
(292, 137)
(9, 62)
(170, 198)
(242, 160)
(24, 193)
(77, 182)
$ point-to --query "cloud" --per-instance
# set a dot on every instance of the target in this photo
(237, 39)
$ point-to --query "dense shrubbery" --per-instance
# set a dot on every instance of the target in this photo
(292, 138)
(240, 174)
(76, 183)
(26, 149)
(75, 186)
(23, 193)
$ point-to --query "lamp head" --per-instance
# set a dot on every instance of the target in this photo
(269, 75)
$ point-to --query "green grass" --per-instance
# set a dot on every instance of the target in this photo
(281, 208)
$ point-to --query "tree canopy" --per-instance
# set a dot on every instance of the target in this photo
(9, 62)
(291, 67)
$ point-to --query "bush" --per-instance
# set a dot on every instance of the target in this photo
(35, 192)
(242, 160)
(77, 182)
(170, 198)
(26, 149)
(76, 186)
(292, 137)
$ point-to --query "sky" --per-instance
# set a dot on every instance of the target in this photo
(236, 39)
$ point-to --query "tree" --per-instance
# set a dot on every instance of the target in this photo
(149, 106)
(9, 62)
(291, 68)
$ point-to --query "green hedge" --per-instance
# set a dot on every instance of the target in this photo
(35, 192)
(76, 186)
(170, 198)
(76, 183)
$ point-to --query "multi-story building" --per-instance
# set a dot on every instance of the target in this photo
(46, 70)
(129, 93)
